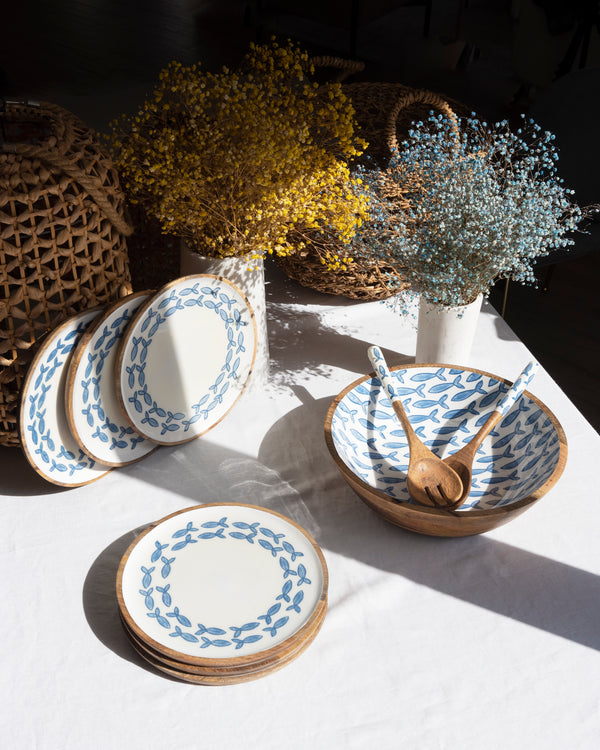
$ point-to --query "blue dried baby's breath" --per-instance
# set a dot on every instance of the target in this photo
(475, 207)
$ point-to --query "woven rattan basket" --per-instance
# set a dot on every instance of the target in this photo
(384, 113)
(62, 236)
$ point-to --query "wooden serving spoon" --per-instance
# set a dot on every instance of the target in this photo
(462, 460)
(430, 481)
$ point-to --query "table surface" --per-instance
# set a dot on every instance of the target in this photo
(483, 642)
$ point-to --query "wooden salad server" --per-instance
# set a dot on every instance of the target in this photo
(430, 481)
(462, 460)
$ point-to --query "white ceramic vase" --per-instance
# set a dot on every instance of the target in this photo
(446, 334)
(248, 275)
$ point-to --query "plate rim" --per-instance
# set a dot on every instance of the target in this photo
(44, 345)
(77, 355)
(209, 671)
(227, 661)
(139, 313)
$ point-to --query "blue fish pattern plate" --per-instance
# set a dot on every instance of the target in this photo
(185, 358)
(46, 436)
(222, 582)
(93, 410)
(446, 406)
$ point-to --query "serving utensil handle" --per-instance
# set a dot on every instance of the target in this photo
(517, 388)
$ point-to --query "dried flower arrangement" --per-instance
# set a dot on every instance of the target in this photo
(464, 204)
(246, 161)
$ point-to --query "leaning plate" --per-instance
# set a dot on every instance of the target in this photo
(93, 410)
(226, 584)
(185, 358)
(47, 439)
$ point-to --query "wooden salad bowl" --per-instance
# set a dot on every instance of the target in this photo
(519, 462)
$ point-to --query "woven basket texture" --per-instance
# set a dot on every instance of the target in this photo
(384, 113)
(62, 236)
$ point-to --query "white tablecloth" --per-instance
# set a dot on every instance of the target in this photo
(484, 642)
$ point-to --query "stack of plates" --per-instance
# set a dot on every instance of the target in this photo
(108, 386)
(222, 594)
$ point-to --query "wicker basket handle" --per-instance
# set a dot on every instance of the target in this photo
(54, 153)
(416, 97)
(346, 67)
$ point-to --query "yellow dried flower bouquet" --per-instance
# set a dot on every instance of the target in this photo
(246, 161)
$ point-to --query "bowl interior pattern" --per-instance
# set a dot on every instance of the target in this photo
(446, 406)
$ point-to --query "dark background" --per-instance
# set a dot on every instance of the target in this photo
(100, 58)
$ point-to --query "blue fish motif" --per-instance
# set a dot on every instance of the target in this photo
(530, 464)
(148, 600)
(474, 376)
(222, 522)
(202, 629)
(178, 632)
(364, 404)
(527, 439)
(165, 427)
(441, 387)
(165, 594)
(419, 391)
(218, 642)
(295, 605)
(346, 409)
(147, 579)
(159, 618)
(462, 427)
(514, 413)
(141, 370)
(380, 414)
(271, 534)
(380, 456)
(495, 492)
(40, 377)
(508, 438)
(189, 290)
(429, 403)
(291, 551)
(271, 612)
(184, 543)
(418, 418)
(491, 398)
(302, 575)
(239, 629)
(504, 478)
(534, 417)
(219, 534)
(490, 458)
(439, 442)
(424, 376)
(458, 413)
(463, 395)
(276, 625)
(287, 587)
(268, 546)
(181, 619)
(190, 528)
(156, 554)
(239, 642)
(166, 568)
(285, 566)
